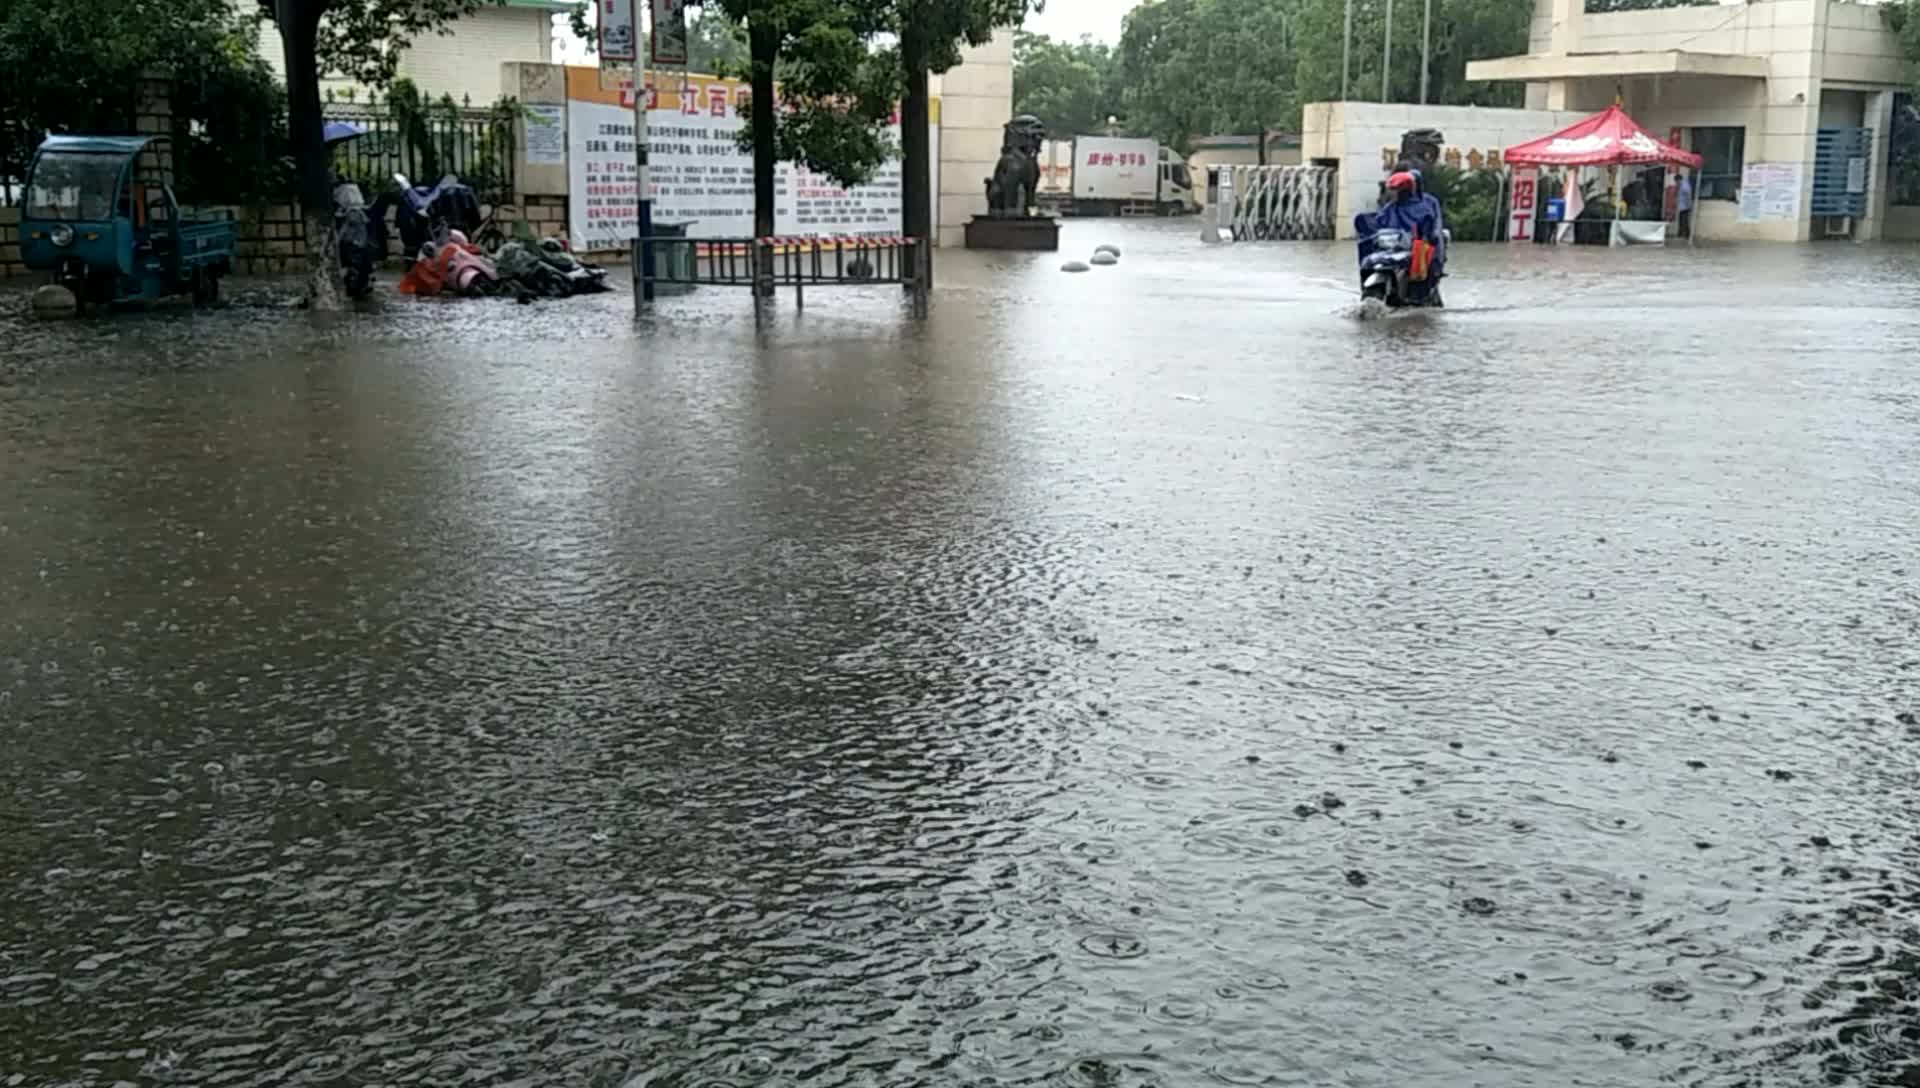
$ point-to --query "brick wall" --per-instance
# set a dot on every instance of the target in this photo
(546, 215)
(270, 243)
(10, 266)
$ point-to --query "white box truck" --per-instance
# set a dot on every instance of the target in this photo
(1118, 175)
(1056, 172)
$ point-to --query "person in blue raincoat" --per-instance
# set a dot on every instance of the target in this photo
(1416, 213)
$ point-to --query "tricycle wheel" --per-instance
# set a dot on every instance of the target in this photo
(78, 285)
(206, 288)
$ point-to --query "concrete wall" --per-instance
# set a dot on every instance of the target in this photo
(976, 100)
(536, 85)
(1356, 134)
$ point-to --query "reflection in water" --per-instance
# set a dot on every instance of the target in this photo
(1151, 677)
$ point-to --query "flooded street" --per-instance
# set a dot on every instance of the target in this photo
(1149, 677)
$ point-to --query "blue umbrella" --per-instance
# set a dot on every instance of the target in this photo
(334, 132)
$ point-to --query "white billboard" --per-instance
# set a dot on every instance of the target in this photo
(699, 174)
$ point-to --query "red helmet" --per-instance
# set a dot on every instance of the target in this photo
(1402, 179)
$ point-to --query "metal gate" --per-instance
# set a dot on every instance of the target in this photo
(1840, 172)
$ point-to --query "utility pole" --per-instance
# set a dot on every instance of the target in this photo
(1386, 54)
(643, 191)
(1346, 54)
(1426, 58)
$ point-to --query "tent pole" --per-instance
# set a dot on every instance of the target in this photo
(1506, 219)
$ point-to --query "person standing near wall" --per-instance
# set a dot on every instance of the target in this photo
(1683, 206)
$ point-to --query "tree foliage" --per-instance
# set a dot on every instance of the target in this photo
(714, 45)
(1189, 68)
(1192, 68)
(835, 91)
(1463, 30)
(76, 66)
(1067, 85)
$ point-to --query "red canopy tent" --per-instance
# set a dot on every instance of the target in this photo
(1608, 138)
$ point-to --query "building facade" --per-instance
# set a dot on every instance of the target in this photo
(463, 63)
(1805, 88)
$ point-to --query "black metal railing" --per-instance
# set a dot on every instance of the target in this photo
(476, 144)
(771, 263)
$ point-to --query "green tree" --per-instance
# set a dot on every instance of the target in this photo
(1067, 85)
(1191, 68)
(75, 66)
(358, 39)
(1187, 68)
(714, 45)
(1463, 30)
(836, 91)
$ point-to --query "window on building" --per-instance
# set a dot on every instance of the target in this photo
(1724, 151)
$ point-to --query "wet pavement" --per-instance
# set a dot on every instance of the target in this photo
(1153, 676)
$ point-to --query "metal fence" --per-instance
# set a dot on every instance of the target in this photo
(767, 264)
(476, 144)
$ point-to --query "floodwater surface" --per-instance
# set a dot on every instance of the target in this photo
(1148, 677)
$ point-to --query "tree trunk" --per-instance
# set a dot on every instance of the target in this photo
(765, 46)
(916, 175)
(764, 49)
(299, 30)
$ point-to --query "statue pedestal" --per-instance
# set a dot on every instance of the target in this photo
(1032, 233)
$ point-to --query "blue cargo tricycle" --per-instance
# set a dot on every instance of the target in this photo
(100, 217)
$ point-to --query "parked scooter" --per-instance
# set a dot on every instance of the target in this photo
(546, 269)
(426, 213)
(451, 265)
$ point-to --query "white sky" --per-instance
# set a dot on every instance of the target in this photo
(1069, 19)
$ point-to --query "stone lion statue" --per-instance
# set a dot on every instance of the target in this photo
(1016, 177)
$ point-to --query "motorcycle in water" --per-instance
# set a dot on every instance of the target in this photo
(1396, 268)
(359, 254)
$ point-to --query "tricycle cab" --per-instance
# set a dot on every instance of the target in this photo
(101, 218)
